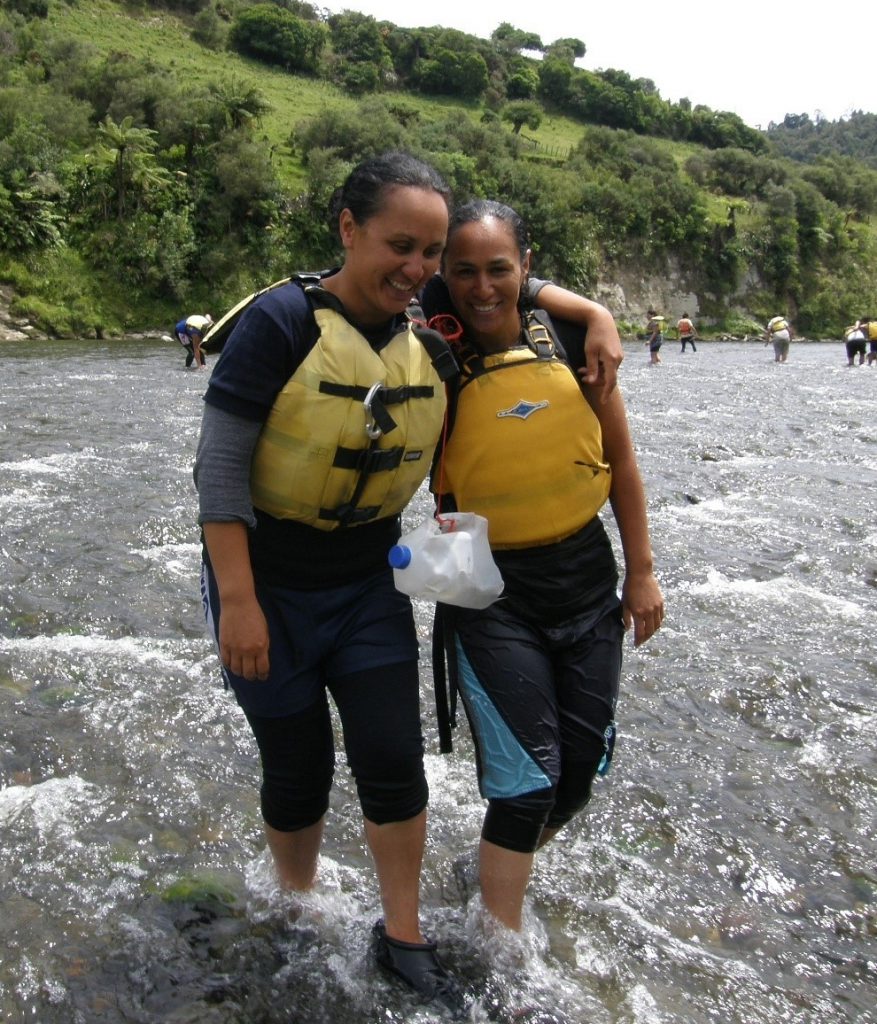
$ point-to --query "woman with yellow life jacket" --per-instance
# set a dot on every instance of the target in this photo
(655, 335)
(537, 454)
(779, 334)
(320, 421)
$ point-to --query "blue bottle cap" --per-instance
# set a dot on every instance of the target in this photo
(399, 556)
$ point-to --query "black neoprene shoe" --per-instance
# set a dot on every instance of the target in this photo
(419, 967)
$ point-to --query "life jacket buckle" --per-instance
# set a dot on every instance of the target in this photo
(371, 427)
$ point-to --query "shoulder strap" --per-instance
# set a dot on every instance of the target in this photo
(439, 351)
(214, 340)
(542, 335)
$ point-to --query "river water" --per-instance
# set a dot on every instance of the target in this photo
(725, 870)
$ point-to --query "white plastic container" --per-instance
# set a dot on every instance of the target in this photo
(448, 561)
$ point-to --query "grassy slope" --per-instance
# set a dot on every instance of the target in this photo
(165, 39)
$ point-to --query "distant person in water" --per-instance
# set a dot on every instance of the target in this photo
(868, 325)
(779, 333)
(854, 341)
(687, 332)
(655, 335)
(190, 333)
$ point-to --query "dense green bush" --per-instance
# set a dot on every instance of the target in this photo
(278, 37)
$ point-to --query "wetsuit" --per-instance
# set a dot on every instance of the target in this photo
(855, 344)
(336, 622)
(539, 669)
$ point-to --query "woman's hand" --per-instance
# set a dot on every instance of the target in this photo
(243, 638)
(603, 355)
(642, 606)
(243, 631)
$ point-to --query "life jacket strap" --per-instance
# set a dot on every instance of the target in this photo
(349, 515)
(376, 399)
(368, 460)
(539, 338)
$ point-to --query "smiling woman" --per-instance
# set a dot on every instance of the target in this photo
(299, 505)
(537, 454)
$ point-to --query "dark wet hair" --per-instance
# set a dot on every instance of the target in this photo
(479, 209)
(365, 188)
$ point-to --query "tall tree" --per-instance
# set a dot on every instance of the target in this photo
(131, 152)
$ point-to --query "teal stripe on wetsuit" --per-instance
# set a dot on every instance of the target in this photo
(507, 769)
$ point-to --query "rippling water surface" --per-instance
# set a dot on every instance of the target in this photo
(724, 872)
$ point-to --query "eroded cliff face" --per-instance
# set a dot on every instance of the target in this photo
(630, 292)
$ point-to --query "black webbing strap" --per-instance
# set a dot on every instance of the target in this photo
(380, 400)
(445, 675)
(389, 396)
(438, 350)
(368, 460)
(349, 515)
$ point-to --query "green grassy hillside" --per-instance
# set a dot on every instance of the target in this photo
(165, 38)
(748, 232)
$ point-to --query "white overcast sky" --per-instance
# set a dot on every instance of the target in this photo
(760, 59)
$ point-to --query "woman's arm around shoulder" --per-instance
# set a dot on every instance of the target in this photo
(603, 351)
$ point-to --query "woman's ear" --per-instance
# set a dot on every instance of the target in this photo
(346, 227)
(525, 265)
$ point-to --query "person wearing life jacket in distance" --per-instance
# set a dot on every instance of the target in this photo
(189, 333)
(537, 454)
(779, 334)
(855, 343)
(686, 331)
(654, 335)
(868, 325)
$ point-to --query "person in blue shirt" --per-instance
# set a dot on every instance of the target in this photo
(190, 333)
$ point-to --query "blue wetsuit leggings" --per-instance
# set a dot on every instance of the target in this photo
(541, 704)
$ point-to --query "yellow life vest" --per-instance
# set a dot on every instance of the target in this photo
(872, 330)
(778, 323)
(526, 449)
(352, 433)
(198, 323)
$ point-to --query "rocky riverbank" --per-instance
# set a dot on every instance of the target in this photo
(14, 328)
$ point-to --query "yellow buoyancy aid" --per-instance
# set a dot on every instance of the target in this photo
(872, 330)
(526, 450)
(352, 433)
(199, 323)
(778, 323)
